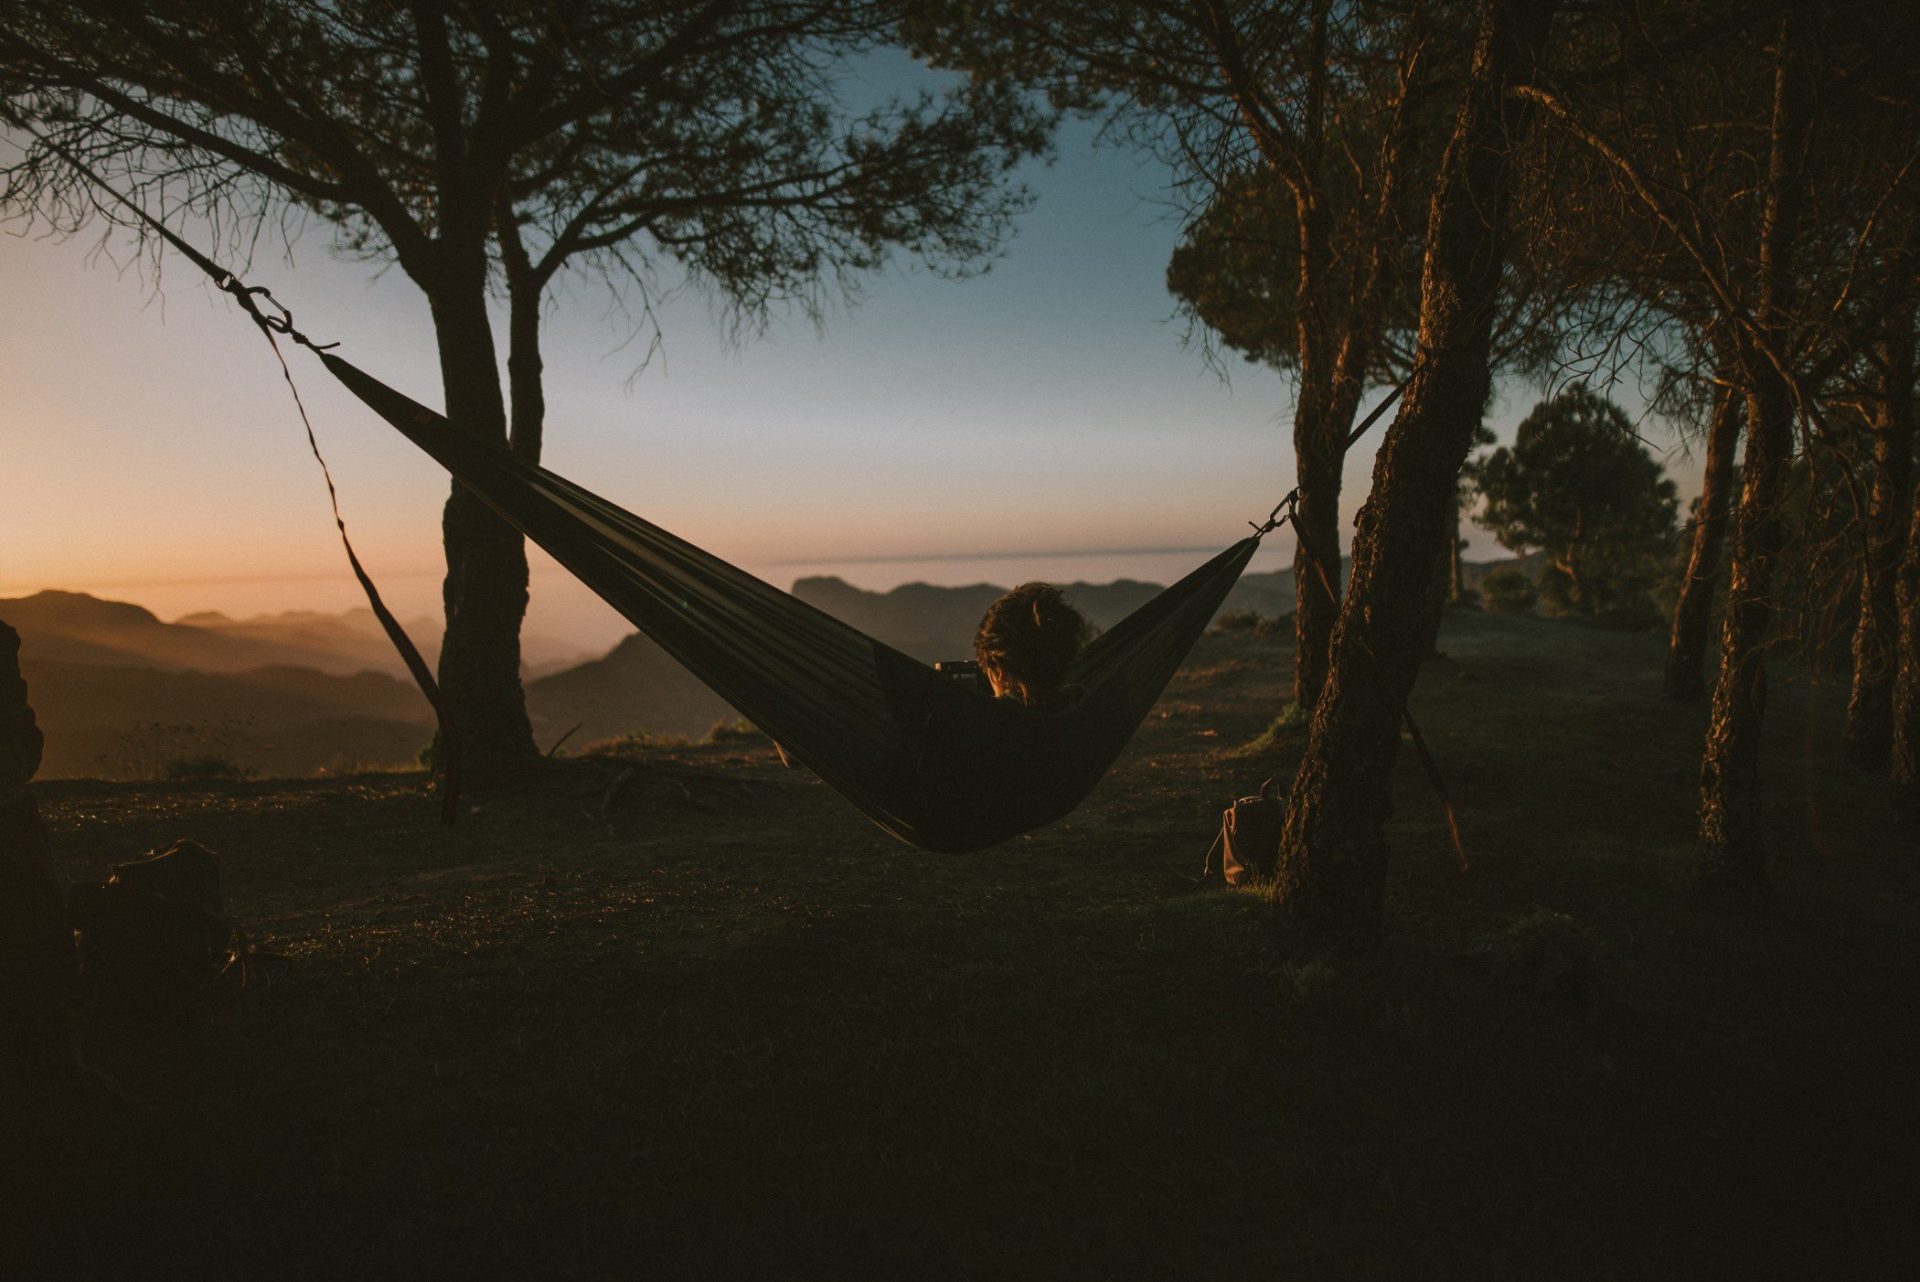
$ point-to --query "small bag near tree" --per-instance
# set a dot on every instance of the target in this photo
(1248, 846)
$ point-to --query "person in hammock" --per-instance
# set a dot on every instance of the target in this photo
(1027, 642)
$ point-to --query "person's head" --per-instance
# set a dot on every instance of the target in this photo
(1028, 640)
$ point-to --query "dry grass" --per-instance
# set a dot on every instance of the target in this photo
(708, 1023)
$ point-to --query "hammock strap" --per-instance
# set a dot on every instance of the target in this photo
(447, 760)
(248, 297)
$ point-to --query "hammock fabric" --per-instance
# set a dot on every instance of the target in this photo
(932, 761)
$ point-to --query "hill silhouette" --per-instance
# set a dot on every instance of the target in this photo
(352, 641)
(120, 691)
(637, 686)
(73, 627)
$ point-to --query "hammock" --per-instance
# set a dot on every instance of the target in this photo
(931, 760)
(938, 764)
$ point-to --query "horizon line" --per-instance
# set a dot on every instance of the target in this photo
(927, 558)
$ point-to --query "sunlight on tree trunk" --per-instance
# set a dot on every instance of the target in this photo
(1732, 801)
(1333, 853)
(1693, 613)
(1870, 706)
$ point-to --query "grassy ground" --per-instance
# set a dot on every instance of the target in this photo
(708, 1023)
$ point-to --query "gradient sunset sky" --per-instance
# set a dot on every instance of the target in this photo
(1047, 407)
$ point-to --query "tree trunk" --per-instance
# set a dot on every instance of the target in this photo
(1870, 706)
(485, 592)
(1693, 613)
(1322, 420)
(36, 947)
(1333, 853)
(526, 391)
(1732, 804)
(1906, 685)
(1319, 450)
(1456, 565)
(1333, 364)
(1577, 595)
(1317, 463)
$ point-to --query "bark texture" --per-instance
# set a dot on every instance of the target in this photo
(1875, 659)
(526, 391)
(1318, 460)
(1693, 613)
(485, 591)
(1338, 318)
(1333, 853)
(1732, 804)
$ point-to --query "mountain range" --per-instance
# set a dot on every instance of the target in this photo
(121, 692)
(638, 686)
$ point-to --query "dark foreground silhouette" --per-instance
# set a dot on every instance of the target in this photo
(684, 1012)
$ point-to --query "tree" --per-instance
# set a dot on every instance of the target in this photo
(1578, 485)
(1730, 803)
(461, 140)
(1688, 637)
(1905, 771)
(1875, 636)
(36, 944)
(1775, 162)
(1309, 108)
(1333, 850)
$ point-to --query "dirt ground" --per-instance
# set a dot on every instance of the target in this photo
(685, 1014)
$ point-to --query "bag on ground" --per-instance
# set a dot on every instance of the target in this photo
(1248, 847)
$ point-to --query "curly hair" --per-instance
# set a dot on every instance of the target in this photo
(1029, 639)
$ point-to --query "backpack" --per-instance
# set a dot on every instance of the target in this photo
(155, 936)
(1248, 846)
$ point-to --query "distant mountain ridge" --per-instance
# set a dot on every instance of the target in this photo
(637, 686)
(75, 627)
(353, 637)
(120, 692)
(118, 689)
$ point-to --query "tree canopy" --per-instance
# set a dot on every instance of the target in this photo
(473, 142)
(1578, 485)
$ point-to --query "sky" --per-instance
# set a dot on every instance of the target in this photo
(1045, 419)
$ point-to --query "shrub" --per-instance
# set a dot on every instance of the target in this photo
(1287, 730)
(1552, 954)
(1627, 604)
(739, 730)
(621, 745)
(1236, 621)
(1555, 597)
(1278, 628)
(1508, 591)
(212, 767)
(632, 743)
